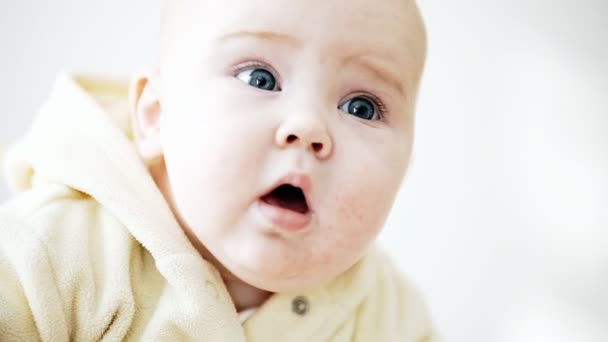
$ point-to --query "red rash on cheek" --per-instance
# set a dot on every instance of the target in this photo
(356, 215)
(348, 209)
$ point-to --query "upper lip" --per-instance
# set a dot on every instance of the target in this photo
(295, 179)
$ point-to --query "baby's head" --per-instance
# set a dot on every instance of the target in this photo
(285, 129)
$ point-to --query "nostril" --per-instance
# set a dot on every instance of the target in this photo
(317, 147)
(291, 138)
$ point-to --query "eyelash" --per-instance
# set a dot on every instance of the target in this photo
(380, 106)
(236, 69)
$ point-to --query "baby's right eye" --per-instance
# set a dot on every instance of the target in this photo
(259, 78)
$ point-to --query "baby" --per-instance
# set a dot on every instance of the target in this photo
(231, 193)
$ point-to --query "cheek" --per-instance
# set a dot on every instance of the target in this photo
(357, 215)
(212, 133)
(210, 145)
(361, 210)
(364, 195)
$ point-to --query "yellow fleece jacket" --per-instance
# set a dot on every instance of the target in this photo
(89, 249)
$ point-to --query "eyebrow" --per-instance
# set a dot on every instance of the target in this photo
(263, 35)
(386, 74)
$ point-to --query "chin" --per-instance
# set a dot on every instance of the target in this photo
(272, 281)
(299, 283)
(279, 268)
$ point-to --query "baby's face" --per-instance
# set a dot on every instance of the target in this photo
(286, 129)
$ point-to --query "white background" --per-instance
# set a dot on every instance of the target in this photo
(503, 220)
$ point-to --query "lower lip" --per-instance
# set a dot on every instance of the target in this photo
(283, 218)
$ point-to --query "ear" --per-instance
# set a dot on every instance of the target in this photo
(145, 110)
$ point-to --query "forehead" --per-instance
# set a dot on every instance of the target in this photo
(391, 29)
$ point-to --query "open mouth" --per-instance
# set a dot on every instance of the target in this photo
(287, 197)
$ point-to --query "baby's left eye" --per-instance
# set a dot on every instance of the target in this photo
(360, 107)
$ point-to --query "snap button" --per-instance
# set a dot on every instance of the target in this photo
(300, 306)
(212, 289)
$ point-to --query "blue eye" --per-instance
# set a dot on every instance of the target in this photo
(361, 108)
(259, 78)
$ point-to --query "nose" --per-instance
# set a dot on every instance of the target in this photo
(307, 131)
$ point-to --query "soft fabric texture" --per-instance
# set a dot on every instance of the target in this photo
(90, 250)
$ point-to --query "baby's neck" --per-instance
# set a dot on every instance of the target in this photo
(245, 296)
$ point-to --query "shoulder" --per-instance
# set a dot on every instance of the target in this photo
(64, 230)
(30, 273)
(69, 259)
(69, 230)
(30, 218)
